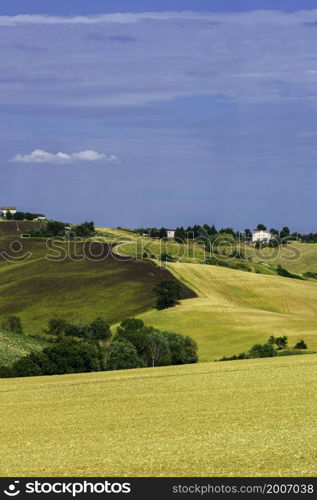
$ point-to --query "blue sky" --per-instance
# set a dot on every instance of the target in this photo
(160, 113)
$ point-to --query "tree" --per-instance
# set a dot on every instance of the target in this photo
(300, 345)
(55, 228)
(134, 331)
(261, 227)
(191, 348)
(183, 349)
(262, 351)
(180, 234)
(280, 342)
(162, 233)
(99, 329)
(85, 230)
(167, 293)
(123, 355)
(248, 233)
(12, 324)
(157, 348)
(56, 326)
(285, 232)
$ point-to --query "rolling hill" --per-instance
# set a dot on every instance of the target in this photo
(84, 282)
(240, 418)
(236, 309)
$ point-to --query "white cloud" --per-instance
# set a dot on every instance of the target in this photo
(41, 156)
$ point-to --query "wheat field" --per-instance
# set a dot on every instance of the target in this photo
(236, 309)
(240, 418)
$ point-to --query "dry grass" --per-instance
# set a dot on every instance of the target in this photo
(243, 418)
(236, 309)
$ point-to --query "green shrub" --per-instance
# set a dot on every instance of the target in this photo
(300, 345)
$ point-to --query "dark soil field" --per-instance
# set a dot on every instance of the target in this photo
(75, 281)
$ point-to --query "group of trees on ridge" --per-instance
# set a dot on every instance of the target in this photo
(57, 228)
(21, 216)
(206, 231)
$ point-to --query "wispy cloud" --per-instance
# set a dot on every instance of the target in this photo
(41, 156)
(250, 57)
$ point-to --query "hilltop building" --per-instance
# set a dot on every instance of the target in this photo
(261, 236)
(5, 210)
(170, 233)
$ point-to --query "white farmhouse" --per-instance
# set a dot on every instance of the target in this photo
(170, 233)
(5, 210)
(261, 236)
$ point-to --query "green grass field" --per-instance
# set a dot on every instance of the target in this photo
(75, 288)
(295, 257)
(240, 418)
(236, 309)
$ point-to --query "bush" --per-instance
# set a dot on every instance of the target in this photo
(12, 324)
(262, 351)
(56, 326)
(300, 345)
(166, 257)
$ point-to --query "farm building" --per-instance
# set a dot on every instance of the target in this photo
(261, 236)
(170, 233)
(5, 210)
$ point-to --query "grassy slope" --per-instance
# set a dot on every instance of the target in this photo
(242, 418)
(77, 290)
(14, 345)
(236, 309)
(296, 257)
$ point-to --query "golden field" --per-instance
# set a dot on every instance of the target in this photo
(236, 309)
(242, 418)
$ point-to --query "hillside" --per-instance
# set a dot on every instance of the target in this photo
(236, 309)
(14, 345)
(295, 257)
(240, 418)
(18, 227)
(74, 285)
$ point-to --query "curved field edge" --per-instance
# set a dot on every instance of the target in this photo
(243, 418)
(235, 309)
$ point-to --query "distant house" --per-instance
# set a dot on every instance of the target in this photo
(170, 233)
(261, 236)
(5, 210)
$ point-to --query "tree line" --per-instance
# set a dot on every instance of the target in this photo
(21, 215)
(211, 232)
(57, 228)
(87, 348)
(273, 347)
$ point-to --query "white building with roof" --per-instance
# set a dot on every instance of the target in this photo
(261, 236)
